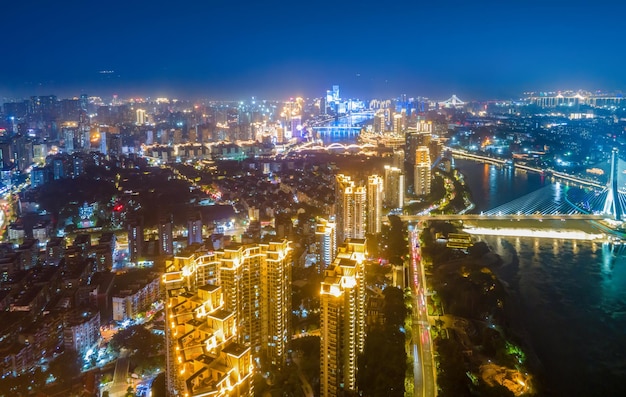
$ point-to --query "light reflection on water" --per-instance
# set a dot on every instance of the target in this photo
(573, 308)
(571, 294)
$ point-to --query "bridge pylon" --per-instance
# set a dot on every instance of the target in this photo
(612, 205)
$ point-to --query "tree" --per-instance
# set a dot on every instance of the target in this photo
(66, 367)
(137, 338)
(398, 247)
(394, 309)
(382, 366)
(451, 378)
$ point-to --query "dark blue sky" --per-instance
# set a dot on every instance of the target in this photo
(275, 49)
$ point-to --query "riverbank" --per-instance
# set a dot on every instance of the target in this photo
(478, 350)
(557, 229)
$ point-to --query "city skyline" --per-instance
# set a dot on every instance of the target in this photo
(213, 50)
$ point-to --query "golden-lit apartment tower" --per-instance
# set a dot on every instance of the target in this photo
(342, 319)
(276, 300)
(256, 280)
(141, 117)
(397, 124)
(422, 175)
(326, 238)
(374, 203)
(202, 355)
(350, 208)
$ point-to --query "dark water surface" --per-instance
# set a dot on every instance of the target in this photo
(571, 294)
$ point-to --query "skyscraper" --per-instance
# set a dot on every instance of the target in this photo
(166, 238)
(398, 124)
(256, 280)
(202, 355)
(223, 323)
(374, 203)
(422, 171)
(379, 122)
(420, 135)
(394, 187)
(194, 229)
(135, 239)
(326, 238)
(342, 319)
(276, 300)
(349, 208)
(141, 117)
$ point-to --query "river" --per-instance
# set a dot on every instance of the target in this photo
(571, 294)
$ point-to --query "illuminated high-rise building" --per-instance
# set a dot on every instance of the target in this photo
(436, 149)
(166, 237)
(224, 309)
(296, 126)
(374, 204)
(349, 208)
(193, 135)
(326, 238)
(379, 122)
(141, 116)
(177, 136)
(336, 96)
(203, 357)
(135, 239)
(276, 300)
(256, 280)
(398, 124)
(424, 127)
(422, 176)
(68, 136)
(194, 229)
(342, 319)
(394, 187)
(420, 135)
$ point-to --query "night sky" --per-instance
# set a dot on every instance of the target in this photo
(232, 49)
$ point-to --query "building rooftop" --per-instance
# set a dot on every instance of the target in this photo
(221, 314)
(235, 349)
(209, 287)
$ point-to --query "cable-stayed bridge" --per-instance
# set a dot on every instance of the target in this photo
(561, 199)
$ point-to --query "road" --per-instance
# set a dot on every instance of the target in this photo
(120, 385)
(423, 358)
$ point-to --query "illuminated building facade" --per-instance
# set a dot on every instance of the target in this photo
(194, 229)
(141, 117)
(379, 122)
(166, 237)
(393, 187)
(202, 355)
(422, 174)
(127, 304)
(417, 136)
(81, 330)
(342, 319)
(397, 124)
(255, 281)
(349, 208)
(135, 239)
(326, 237)
(374, 203)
